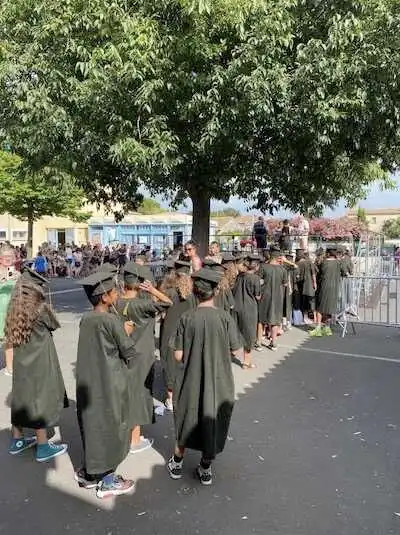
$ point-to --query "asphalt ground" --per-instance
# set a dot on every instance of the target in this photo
(313, 449)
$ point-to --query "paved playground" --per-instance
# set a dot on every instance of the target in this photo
(313, 450)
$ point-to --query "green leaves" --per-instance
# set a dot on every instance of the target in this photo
(285, 102)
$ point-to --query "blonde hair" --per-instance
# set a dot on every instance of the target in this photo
(184, 285)
(26, 304)
(223, 285)
(168, 282)
(231, 274)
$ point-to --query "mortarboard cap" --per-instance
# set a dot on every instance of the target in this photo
(110, 268)
(253, 257)
(182, 267)
(31, 276)
(98, 283)
(228, 257)
(170, 265)
(135, 272)
(215, 266)
(208, 275)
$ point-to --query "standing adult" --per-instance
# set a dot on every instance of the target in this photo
(260, 233)
(192, 255)
(304, 230)
(214, 252)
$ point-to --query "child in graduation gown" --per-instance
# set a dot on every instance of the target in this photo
(247, 293)
(105, 352)
(204, 388)
(223, 294)
(142, 312)
(38, 391)
(182, 300)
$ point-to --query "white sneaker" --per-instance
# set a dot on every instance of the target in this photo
(144, 444)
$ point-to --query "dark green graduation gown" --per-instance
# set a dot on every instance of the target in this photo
(305, 274)
(142, 312)
(225, 300)
(271, 303)
(288, 291)
(38, 391)
(328, 288)
(203, 392)
(247, 288)
(102, 393)
(174, 313)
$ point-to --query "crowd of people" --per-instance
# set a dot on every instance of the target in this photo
(212, 311)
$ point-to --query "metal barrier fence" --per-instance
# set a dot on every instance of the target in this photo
(372, 300)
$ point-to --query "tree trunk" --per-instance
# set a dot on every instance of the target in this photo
(30, 238)
(201, 220)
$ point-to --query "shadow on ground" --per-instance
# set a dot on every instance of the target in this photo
(313, 450)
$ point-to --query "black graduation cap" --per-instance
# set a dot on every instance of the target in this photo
(275, 253)
(98, 283)
(228, 257)
(110, 268)
(253, 257)
(215, 266)
(135, 272)
(170, 265)
(33, 277)
(208, 275)
(182, 267)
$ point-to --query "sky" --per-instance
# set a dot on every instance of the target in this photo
(375, 199)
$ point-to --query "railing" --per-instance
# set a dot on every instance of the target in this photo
(369, 299)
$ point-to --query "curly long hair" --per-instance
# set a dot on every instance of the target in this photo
(224, 284)
(231, 274)
(168, 282)
(184, 285)
(26, 304)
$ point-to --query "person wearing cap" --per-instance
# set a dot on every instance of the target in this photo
(307, 284)
(204, 389)
(142, 313)
(247, 293)
(106, 353)
(38, 391)
(271, 303)
(182, 300)
(230, 264)
(223, 295)
(327, 295)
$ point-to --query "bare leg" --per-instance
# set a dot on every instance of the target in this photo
(41, 436)
(8, 355)
(17, 432)
(135, 437)
(274, 333)
(260, 332)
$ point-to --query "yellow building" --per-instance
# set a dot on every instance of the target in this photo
(57, 230)
(376, 216)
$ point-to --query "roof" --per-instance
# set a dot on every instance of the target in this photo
(374, 211)
(164, 218)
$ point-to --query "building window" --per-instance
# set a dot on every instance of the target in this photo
(3, 235)
(373, 220)
(19, 235)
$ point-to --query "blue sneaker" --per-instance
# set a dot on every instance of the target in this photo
(18, 445)
(46, 452)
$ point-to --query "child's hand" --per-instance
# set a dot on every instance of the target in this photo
(146, 286)
(129, 327)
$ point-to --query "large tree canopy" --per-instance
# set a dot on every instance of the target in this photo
(292, 103)
(29, 196)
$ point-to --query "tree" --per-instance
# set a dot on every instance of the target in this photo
(391, 228)
(29, 197)
(361, 215)
(150, 206)
(286, 103)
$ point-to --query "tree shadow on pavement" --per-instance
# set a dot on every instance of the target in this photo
(294, 464)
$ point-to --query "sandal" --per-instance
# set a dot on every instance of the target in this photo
(248, 366)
